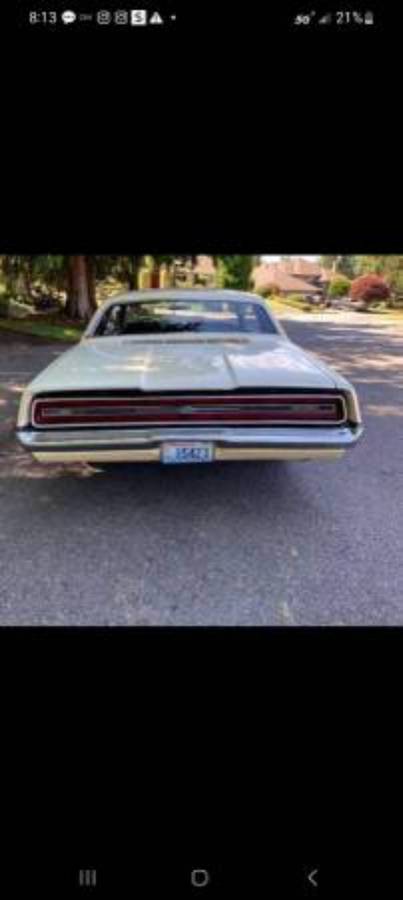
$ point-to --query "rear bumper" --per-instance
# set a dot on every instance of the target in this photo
(125, 445)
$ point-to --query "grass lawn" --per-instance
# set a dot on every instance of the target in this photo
(279, 305)
(49, 327)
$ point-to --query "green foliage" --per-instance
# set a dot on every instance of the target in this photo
(327, 262)
(22, 274)
(347, 265)
(234, 272)
(390, 267)
(396, 282)
(344, 265)
(124, 269)
(164, 259)
(339, 287)
(267, 290)
(371, 265)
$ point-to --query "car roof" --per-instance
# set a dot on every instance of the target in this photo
(182, 294)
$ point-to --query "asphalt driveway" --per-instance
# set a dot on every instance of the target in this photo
(231, 544)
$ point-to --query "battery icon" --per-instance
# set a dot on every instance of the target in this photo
(369, 18)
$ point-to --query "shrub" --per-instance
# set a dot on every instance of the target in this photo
(267, 290)
(339, 287)
(4, 304)
(368, 288)
(234, 271)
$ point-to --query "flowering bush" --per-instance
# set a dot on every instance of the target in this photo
(368, 288)
(267, 290)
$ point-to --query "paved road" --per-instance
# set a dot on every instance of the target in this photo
(236, 544)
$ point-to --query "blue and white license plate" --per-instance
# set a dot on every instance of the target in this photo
(191, 452)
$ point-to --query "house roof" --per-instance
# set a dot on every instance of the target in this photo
(289, 283)
(300, 267)
(305, 268)
(273, 273)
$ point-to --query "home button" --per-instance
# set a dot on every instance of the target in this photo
(200, 878)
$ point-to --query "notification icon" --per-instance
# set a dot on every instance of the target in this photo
(68, 17)
(138, 17)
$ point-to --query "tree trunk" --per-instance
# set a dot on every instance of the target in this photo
(133, 276)
(155, 275)
(81, 288)
(71, 299)
(27, 277)
(92, 300)
(193, 264)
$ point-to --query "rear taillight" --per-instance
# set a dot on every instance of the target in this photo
(227, 409)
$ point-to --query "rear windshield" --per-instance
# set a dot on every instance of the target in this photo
(194, 316)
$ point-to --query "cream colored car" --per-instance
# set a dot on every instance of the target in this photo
(181, 376)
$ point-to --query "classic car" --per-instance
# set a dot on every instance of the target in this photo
(180, 376)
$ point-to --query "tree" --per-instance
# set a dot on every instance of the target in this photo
(339, 286)
(234, 271)
(328, 262)
(156, 263)
(368, 288)
(371, 265)
(123, 268)
(74, 276)
(185, 262)
(81, 301)
(21, 274)
(343, 265)
(347, 265)
(389, 267)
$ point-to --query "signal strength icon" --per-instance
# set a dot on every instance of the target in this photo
(325, 20)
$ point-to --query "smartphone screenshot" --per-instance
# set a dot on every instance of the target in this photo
(201, 497)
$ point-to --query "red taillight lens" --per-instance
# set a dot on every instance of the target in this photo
(231, 409)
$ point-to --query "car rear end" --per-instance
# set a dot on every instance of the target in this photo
(190, 426)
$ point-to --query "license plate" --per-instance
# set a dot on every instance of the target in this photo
(191, 452)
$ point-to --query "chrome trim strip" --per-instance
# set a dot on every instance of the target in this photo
(221, 455)
(335, 437)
